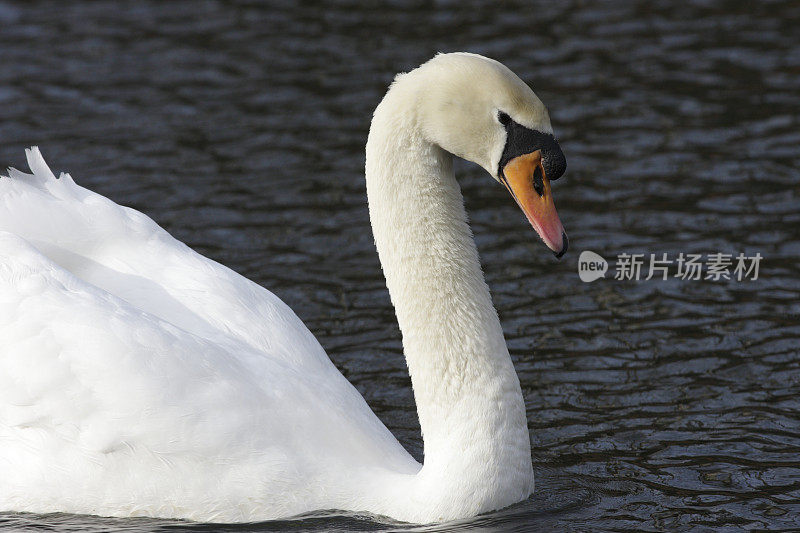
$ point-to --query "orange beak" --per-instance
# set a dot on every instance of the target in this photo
(525, 179)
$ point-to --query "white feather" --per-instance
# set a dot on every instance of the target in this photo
(140, 378)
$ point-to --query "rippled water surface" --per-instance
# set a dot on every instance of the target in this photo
(652, 405)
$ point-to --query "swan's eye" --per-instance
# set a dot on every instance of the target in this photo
(504, 119)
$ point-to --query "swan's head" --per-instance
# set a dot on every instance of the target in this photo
(477, 109)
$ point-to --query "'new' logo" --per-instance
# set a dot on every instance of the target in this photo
(591, 266)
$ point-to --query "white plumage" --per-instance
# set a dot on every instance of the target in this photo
(139, 378)
(137, 371)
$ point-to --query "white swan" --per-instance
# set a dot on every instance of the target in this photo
(140, 378)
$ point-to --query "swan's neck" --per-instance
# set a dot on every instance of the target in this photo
(468, 395)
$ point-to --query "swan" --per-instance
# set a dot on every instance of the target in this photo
(139, 378)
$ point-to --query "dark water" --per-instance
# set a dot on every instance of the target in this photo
(657, 405)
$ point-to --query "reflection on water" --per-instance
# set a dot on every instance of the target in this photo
(240, 128)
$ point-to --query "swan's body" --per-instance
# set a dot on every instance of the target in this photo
(140, 378)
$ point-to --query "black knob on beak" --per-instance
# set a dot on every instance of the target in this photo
(521, 140)
(553, 159)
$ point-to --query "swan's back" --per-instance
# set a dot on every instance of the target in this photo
(124, 252)
(138, 377)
